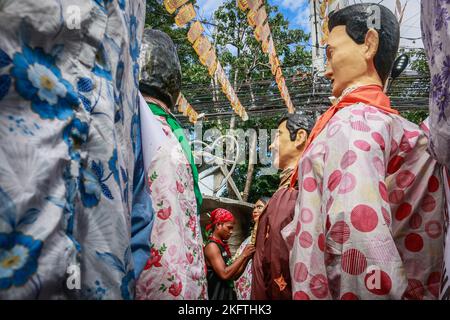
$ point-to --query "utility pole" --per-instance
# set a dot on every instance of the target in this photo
(318, 56)
(319, 10)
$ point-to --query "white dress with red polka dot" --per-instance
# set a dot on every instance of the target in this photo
(370, 213)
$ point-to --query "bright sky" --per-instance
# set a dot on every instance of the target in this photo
(297, 12)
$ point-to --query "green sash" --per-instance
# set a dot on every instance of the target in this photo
(179, 134)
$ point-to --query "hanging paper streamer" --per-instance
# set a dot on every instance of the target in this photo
(221, 76)
(229, 92)
(185, 108)
(260, 16)
(262, 33)
(210, 61)
(208, 58)
(192, 114)
(251, 18)
(279, 76)
(195, 31)
(270, 48)
(182, 104)
(281, 83)
(257, 17)
(186, 14)
(172, 5)
(254, 5)
(207, 53)
(266, 41)
(320, 10)
(243, 5)
(325, 8)
(202, 46)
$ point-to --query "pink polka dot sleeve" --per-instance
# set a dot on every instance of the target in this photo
(343, 247)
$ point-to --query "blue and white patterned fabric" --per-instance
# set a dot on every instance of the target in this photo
(435, 18)
(69, 149)
(436, 39)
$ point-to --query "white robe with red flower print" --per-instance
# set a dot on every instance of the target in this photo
(243, 285)
(369, 218)
(176, 268)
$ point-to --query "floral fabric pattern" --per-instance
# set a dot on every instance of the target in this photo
(38, 80)
(435, 18)
(176, 268)
(243, 285)
(68, 110)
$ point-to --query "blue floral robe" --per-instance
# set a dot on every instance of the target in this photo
(435, 18)
(436, 39)
(70, 148)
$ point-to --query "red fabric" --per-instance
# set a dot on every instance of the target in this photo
(371, 95)
(270, 266)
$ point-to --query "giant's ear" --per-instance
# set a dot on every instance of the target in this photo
(300, 139)
(371, 42)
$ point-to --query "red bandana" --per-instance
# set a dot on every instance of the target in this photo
(219, 215)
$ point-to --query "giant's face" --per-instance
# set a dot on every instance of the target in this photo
(283, 149)
(346, 63)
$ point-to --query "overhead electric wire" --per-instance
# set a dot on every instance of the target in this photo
(408, 93)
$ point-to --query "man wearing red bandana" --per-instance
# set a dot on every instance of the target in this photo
(221, 270)
(369, 216)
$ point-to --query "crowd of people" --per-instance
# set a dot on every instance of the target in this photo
(99, 193)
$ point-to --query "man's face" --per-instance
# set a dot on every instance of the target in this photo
(345, 60)
(283, 149)
(225, 230)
